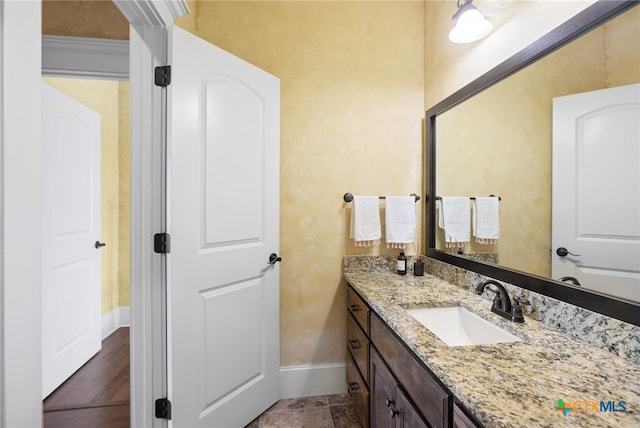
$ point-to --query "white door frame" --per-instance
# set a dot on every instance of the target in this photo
(149, 48)
(20, 210)
(20, 139)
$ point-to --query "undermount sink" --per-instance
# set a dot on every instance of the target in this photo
(457, 326)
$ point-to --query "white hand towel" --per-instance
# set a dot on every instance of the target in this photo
(486, 220)
(455, 216)
(400, 221)
(365, 221)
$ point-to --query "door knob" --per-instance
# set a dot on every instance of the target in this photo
(99, 244)
(562, 252)
(273, 259)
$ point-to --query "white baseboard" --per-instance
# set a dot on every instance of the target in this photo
(295, 381)
(313, 379)
(113, 320)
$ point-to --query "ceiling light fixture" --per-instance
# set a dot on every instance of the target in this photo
(471, 25)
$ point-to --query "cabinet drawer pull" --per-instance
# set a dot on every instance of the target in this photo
(353, 386)
(389, 402)
(354, 344)
(354, 308)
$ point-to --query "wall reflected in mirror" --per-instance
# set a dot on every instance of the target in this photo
(500, 140)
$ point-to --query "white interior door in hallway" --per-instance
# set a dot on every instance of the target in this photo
(224, 225)
(71, 328)
(596, 190)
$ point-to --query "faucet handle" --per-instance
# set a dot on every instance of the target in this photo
(517, 301)
(496, 299)
(516, 311)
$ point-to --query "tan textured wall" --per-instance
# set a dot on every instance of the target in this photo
(351, 118)
(622, 47)
(188, 22)
(124, 194)
(500, 141)
(81, 18)
(102, 96)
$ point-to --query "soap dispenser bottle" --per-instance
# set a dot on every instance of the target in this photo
(418, 268)
(401, 263)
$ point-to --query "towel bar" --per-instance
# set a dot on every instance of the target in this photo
(348, 197)
(472, 197)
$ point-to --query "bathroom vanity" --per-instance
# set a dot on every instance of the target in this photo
(370, 377)
(401, 374)
(385, 377)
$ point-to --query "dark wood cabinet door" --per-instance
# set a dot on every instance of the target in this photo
(382, 393)
(406, 415)
(430, 399)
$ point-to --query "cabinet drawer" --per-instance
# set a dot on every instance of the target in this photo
(431, 400)
(358, 345)
(358, 308)
(358, 391)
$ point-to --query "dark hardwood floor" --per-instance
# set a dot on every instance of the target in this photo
(97, 395)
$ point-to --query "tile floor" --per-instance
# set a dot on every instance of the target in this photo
(323, 411)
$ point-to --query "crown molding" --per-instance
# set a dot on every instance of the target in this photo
(152, 12)
(65, 56)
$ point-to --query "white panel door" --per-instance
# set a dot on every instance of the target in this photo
(224, 209)
(596, 190)
(71, 329)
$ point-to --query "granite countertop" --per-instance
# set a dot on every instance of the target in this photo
(514, 384)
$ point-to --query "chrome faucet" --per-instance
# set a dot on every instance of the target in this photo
(502, 303)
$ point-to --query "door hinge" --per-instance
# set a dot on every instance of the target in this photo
(163, 408)
(163, 75)
(162, 243)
